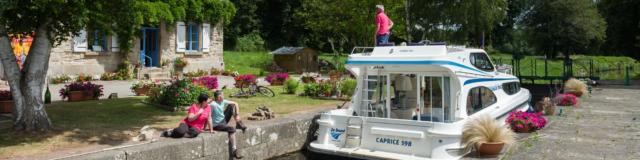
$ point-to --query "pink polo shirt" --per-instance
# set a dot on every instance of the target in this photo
(201, 120)
(384, 22)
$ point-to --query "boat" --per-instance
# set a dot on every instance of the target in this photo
(411, 102)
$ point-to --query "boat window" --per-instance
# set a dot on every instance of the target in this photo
(479, 98)
(511, 87)
(481, 61)
(403, 96)
(375, 96)
(435, 99)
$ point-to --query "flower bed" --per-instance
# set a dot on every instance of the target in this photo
(209, 82)
(80, 91)
(524, 122)
(141, 88)
(244, 79)
(277, 79)
(6, 101)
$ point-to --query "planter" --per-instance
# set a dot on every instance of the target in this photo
(142, 91)
(491, 149)
(335, 76)
(550, 111)
(523, 130)
(75, 96)
(89, 96)
(276, 83)
(6, 106)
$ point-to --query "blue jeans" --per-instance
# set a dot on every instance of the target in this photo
(382, 38)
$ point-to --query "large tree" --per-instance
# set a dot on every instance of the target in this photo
(54, 21)
(565, 26)
(481, 16)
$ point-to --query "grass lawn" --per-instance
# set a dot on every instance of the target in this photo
(247, 62)
(114, 122)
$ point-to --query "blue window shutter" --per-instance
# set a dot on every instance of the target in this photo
(195, 39)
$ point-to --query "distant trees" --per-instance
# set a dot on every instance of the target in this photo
(565, 26)
(623, 27)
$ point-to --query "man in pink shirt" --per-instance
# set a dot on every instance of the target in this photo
(383, 26)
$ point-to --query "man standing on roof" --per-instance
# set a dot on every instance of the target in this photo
(383, 26)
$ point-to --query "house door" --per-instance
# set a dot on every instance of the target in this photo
(149, 40)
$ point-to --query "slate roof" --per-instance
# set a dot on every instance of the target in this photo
(287, 50)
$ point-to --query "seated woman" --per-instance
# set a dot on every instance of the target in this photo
(193, 124)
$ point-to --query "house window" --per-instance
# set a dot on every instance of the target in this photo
(511, 87)
(479, 98)
(192, 37)
(481, 61)
(97, 41)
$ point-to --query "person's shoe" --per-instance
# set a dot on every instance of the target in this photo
(241, 126)
(236, 154)
(166, 133)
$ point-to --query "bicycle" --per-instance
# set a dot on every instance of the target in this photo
(253, 88)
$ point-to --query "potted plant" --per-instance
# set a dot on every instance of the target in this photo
(309, 77)
(575, 87)
(141, 88)
(243, 80)
(79, 91)
(525, 122)
(6, 101)
(486, 135)
(325, 88)
(277, 79)
(335, 74)
(180, 62)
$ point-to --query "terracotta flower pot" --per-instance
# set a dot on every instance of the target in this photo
(490, 148)
(6, 106)
(75, 96)
(142, 91)
(523, 130)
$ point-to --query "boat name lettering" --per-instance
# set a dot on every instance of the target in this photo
(393, 141)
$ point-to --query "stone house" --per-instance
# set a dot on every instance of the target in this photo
(94, 53)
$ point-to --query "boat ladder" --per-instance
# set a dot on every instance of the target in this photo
(354, 132)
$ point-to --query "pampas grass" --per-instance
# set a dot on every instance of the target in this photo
(575, 87)
(485, 129)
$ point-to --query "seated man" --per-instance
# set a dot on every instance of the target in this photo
(221, 112)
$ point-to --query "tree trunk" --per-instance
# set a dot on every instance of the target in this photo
(27, 85)
(12, 73)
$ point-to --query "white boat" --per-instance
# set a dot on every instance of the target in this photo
(411, 102)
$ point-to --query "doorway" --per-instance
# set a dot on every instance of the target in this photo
(149, 50)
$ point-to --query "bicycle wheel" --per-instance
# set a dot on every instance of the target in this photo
(246, 88)
(266, 91)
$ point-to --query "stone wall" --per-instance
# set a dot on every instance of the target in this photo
(65, 61)
(264, 140)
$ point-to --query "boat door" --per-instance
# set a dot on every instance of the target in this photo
(149, 50)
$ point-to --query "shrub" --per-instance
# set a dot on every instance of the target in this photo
(276, 77)
(524, 120)
(311, 89)
(215, 71)
(325, 88)
(5, 95)
(83, 78)
(484, 129)
(348, 87)
(96, 89)
(291, 86)
(108, 76)
(179, 93)
(250, 42)
(143, 84)
(124, 72)
(60, 79)
(209, 82)
(198, 73)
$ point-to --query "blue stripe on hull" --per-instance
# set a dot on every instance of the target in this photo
(477, 80)
(414, 62)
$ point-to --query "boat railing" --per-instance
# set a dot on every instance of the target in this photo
(362, 50)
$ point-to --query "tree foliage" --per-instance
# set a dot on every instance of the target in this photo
(565, 26)
(56, 20)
